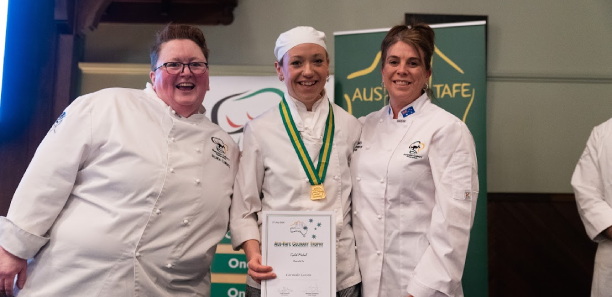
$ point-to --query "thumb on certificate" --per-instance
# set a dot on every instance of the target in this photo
(255, 265)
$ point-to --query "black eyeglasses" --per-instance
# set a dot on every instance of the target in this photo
(178, 67)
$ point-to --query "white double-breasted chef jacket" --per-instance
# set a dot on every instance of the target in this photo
(123, 198)
(415, 186)
(271, 178)
(592, 183)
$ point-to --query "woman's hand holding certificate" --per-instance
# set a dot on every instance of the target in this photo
(257, 271)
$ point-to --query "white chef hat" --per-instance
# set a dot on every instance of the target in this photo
(297, 36)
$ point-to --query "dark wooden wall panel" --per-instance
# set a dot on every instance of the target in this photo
(538, 246)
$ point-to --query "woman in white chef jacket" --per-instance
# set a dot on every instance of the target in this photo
(271, 175)
(415, 180)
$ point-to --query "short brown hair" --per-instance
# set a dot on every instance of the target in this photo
(177, 31)
(418, 35)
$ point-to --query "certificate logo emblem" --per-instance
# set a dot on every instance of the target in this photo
(299, 227)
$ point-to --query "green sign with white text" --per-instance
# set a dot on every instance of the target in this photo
(229, 290)
(229, 263)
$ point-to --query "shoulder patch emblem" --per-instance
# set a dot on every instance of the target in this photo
(58, 121)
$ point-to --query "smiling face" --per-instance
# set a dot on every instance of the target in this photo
(404, 74)
(305, 70)
(184, 92)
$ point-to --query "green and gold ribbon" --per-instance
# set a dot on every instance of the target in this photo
(316, 175)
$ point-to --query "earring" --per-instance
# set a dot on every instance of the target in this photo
(426, 87)
(281, 78)
(327, 78)
(382, 84)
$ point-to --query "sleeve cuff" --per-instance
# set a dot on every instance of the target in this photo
(416, 288)
(601, 237)
(243, 230)
(599, 222)
(18, 241)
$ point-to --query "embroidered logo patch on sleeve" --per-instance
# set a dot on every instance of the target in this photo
(58, 121)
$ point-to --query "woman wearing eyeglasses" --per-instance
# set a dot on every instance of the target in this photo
(129, 192)
(272, 175)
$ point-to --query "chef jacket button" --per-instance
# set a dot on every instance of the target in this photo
(197, 181)
(336, 177)
(337, 239)
(355, 247)
(137, 255)
(367, 147)
(379, 217)
(306, 180)
(172, 139)
(171, 170)
(380, 121)
(358, 178)
(382, 180)
(169, 265)
(158, 211)
(197, 150)
(173, 111)
(378, 253)
(355, 212)
(185, 222)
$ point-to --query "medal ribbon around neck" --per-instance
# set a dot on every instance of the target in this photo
(316, 176)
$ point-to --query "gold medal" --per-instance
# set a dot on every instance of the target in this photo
(317, 192)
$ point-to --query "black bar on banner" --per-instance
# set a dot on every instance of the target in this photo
(443, 18)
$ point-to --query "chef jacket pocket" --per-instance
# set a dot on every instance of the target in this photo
(460, 168)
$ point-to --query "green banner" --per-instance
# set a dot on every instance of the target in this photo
(459, 84)
(227, 269)
(229, 290)
(229, 263)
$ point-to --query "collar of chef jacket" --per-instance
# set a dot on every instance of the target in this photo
(410, 109)
(315, 127)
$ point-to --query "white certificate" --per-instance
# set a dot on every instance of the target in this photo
(301, 248)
